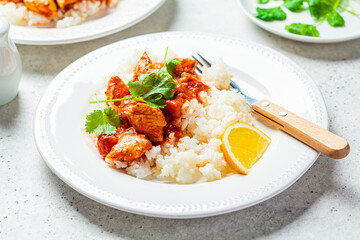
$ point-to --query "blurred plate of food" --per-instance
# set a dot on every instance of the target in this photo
(50, 22)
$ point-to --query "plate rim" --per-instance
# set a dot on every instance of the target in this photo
(143, 208)
(295, 37)
(90, 36)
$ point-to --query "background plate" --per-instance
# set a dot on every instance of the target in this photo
(126, 14)
(259, 70)
(328, 34)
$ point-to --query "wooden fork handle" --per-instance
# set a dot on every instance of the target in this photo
(309, 133)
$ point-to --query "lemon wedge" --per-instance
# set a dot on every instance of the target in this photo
(243, 145)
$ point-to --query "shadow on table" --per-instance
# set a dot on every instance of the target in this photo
(9, 112)
(259, 220)
(53, 59)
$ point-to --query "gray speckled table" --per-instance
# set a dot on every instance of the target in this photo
(323, 204)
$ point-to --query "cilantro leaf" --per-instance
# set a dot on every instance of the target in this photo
(105, 129)
(294, 5)
(335, 19)
(303, 29)
(171, 66)
(321, 8)
(142, 86)
(103, 121)
(162, 86)
(155, 100)
(263, 1)
(270, 14)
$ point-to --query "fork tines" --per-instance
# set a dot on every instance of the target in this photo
(206, 62)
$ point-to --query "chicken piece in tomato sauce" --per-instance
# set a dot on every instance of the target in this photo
(48, 8)
(147, 120)
(105, 143)
(116, 88)
(129, 147)
(190, 85)
(170, 129)
(142, 67)
(172, 111)
(186, 66)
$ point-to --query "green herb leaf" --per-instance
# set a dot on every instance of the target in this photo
(335, 19)
(103, 121)
(263, 1)
(321, 8)
(171, 66)
(303, 29)
(270, 14)
(294, 5)
(161, 86)
(142, 86)
(155, 100)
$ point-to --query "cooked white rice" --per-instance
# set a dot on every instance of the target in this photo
(196, 157)
(81, 11)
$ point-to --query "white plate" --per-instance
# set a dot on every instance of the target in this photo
(126, 14)
(328, 34)
(259, 70)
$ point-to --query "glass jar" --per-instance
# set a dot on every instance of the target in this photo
(10, 65)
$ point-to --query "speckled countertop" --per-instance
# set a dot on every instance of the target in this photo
(323, 204)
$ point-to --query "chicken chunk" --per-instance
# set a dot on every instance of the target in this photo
(105, 143)
(142, 67)
(173, 107)
(129, 147)
(48, 8)
(186, 66)
(147, 120)
(190, 85)
(116, 88)
(63, 3)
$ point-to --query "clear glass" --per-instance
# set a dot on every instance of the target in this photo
(10, 65)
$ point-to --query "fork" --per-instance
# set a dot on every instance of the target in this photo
(307, 132)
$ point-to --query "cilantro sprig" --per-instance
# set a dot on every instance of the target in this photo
(103, 121)
(320, 10)
(153, 88)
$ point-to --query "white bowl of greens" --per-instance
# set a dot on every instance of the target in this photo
(318, 21)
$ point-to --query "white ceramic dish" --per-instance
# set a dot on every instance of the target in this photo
(260, 71)
(126, 14)
(328, 34)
